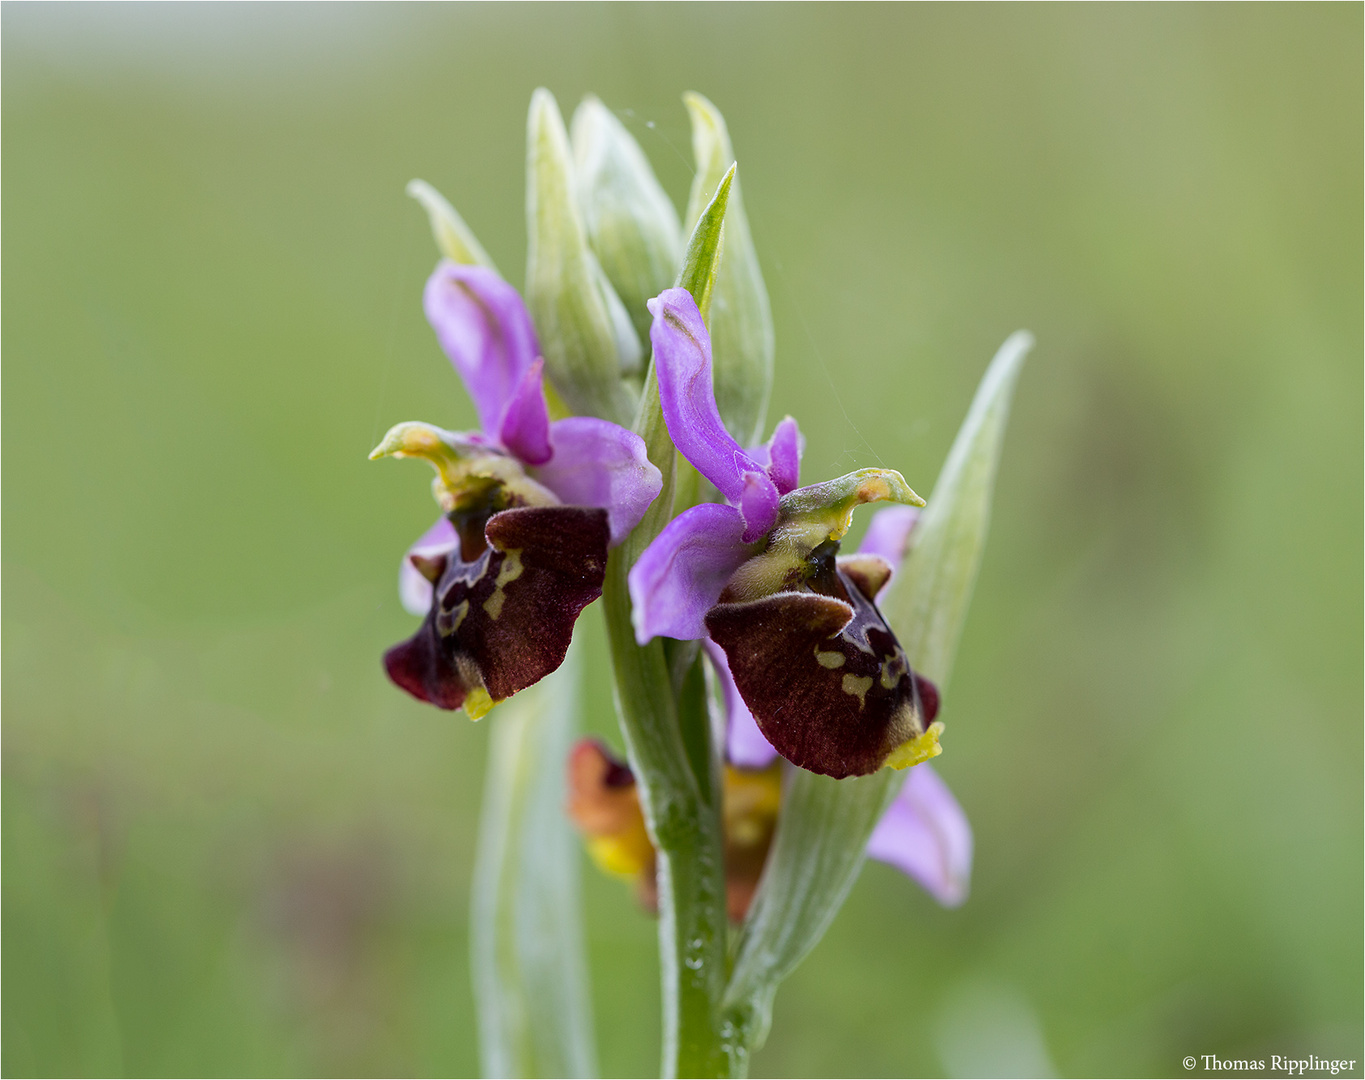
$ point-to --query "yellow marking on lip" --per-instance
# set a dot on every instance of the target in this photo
(858, 686)
(830, 660)
(921, 748)
(893, 669)
(510, 570)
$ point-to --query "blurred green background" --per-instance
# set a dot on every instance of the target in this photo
(230, 847)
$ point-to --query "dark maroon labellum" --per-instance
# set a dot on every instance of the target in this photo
(824, 676)
(504, 621)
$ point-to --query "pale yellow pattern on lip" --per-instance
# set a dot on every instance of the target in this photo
(830, 660)
(461, 610)
(510, 570)
(893, 669)
(857, 686)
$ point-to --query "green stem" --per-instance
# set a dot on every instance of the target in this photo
(677, 768)
(662, 701)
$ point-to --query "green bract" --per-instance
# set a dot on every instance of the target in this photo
(823, 831)
(927, 602)
(698, 276)
(632, 225)
(526, 938)
(585, 333)
(741, 321)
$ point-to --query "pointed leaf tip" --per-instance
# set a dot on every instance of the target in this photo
(742, 326)
(926, 602)
(698, 276)
(454, 239)
(705, 248)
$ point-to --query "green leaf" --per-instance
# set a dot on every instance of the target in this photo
(526, 937)
(926, 603)
(585, 333)
(825, 824)
(455, 240)
(702, 261)
(741, 323)
(632, 225)
(819, 848)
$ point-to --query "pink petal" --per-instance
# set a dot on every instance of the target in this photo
(598, 463)
(925, 834)
(679, 577)
(888, 535)
(526, 424)
(745, 745)
(682, 359)
(485, 329)
(784, 451)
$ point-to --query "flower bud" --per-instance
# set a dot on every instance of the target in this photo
(604, 804)
(585, 332)
(631, 223)
(740, 319)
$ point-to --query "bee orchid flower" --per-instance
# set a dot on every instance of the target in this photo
(812, 658)
(529, 508)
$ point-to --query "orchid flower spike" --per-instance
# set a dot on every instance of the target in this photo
(529, 508)
(823, 675)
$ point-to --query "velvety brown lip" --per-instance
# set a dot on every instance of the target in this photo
(503, 621)
(824, 676)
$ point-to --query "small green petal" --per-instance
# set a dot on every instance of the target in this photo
(812, 516)
(467, 474)
(832, 503)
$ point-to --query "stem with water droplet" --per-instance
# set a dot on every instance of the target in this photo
(678, 771)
